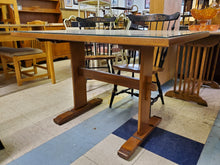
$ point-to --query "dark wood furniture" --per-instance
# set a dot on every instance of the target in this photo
(145, 41)
(102, 51)
(1, 146)
(147, 22)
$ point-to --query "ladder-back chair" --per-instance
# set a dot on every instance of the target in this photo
(147, 22)
(98, 51)
(70, 22)
(16, 55)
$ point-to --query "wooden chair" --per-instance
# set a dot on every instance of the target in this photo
(101, 51)
(15, 17)
(147, 22)
(70, 22)
(16, 55)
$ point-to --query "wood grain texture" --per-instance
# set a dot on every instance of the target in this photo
(132, 41)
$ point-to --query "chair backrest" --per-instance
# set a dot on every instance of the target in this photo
(122, 22)
(106, 23)
(70, 22)
(155, 22)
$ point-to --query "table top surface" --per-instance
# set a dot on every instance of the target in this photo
(6, 36)
(127, 37)
(30, 25)
(120, 33)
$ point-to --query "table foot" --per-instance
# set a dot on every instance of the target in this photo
(69, 115)
(1, 146)
(183, 96)
(212, 84)
(129, 147)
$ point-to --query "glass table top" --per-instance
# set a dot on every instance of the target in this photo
(119, 33)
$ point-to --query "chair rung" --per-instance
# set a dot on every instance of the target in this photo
(128, 67)
(27, 74)
(42, 67)
(34, 77)
(154, 99)
(135, 68)
(99, 57)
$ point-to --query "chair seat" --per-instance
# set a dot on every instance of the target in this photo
(16, 55)
(10, 52)
(99, 57)
(134, 68)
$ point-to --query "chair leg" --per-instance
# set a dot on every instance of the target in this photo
(114, 92)
(4, 65)
(34, 65)
(88, 64)
(132, 90)
(48, 69)
(1, 146)
(109, 70)
(49, 52)
(17, 71)
(112, 71)
(159, 88)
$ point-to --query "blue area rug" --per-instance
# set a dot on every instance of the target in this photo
(211, 152)
(69, 146)
(171, 146)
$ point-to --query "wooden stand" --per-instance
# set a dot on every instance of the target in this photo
(195, 67)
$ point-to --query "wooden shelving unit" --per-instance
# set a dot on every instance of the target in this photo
(44, 10)
(95, 3)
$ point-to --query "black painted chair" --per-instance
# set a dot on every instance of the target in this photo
(1, 146)
(98, 51)
(146, 22)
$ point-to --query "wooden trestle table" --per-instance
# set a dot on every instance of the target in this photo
(145, 41)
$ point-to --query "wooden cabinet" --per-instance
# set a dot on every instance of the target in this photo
(44, 10)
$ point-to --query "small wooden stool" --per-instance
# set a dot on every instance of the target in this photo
(196, 64)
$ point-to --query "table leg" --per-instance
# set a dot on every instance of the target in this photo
(79, 86)
(146, 124)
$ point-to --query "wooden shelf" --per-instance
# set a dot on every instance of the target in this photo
(50, 0)
(95, 2)
(52, 11)
(44, 10)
